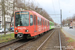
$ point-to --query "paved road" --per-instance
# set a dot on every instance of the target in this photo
(70, 31)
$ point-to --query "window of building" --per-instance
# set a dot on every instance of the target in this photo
(0, 18)
(8, 19)
(0, 25)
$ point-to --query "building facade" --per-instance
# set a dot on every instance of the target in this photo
(7, 21)
(9, 11)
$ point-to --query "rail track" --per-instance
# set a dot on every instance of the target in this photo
(14, 44)
(18, 43)
(59, 47)
(45, 41)
(8, 43)
(30, 45)
(60, 41)
(35, 44)
(27, 42)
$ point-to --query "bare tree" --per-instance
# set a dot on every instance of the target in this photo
(3, 16)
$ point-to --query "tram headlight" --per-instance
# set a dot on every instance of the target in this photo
(26, 30)
(16, 30)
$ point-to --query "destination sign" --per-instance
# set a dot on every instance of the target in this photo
(22, 13)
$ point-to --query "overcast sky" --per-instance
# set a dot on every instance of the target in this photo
(54, 6)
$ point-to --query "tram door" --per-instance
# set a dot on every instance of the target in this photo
(35, 23)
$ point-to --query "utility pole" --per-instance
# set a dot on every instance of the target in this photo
(3, 16)
(61, 17)
(24, 4)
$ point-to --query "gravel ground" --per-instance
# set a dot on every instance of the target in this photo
(63, 40)
(36, 43)
(13, 45)
(16, 44)
(51, 44)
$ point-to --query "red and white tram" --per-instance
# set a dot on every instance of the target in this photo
(29, 23)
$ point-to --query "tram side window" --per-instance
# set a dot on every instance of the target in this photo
(31, 20)
(34, 20)
(40, 21)
(47, 23)
(43, 22)
(51, 24)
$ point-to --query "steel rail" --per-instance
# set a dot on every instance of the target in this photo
(10, 42)
(60, 41)
(45, 41)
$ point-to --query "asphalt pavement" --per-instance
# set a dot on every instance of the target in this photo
(69, 30)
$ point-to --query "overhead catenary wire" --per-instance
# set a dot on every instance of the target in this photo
(53, 6)
(54, 9)
(59, 4)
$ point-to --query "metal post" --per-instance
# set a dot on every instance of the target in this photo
(61, 16)
(24, 4)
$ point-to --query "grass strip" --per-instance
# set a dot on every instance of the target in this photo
(6, 38)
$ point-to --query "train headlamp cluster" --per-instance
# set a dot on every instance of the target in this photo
(16, 30)
(26, 30)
